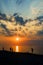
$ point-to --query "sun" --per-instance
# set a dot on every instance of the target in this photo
(17, 38)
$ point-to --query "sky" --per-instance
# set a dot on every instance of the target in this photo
(24, 19)
(26, 8)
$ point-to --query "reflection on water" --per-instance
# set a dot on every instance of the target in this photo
(21, 48)
(36, 49)
(17, 49)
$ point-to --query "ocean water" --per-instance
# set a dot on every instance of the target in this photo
(24, 47)
(36, 49)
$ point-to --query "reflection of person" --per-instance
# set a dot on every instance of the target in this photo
(12, 49)
(32, 50)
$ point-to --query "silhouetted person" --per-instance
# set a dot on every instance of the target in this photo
(32, 50)
(10, 49)
(3, 48)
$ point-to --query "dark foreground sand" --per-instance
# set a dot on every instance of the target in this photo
(13, 58)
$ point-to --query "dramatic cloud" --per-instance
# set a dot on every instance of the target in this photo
(19, 19)
(40, 18)
(16, 25)
(2, 16)
(40, 32)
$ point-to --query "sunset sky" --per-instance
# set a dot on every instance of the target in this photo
(22, 19)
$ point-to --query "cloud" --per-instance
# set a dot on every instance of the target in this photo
(19, 2)
(40, 32)
(35, 12)
(15, 14)
(2, 16)
(19, 20)
(40, 18)
(36, 8)
(34, 26)
(18, 26)
(6, 30)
